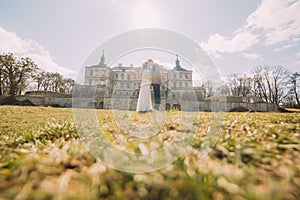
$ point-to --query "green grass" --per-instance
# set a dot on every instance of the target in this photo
(42, 157)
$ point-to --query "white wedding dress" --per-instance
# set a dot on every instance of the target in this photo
(144, 103)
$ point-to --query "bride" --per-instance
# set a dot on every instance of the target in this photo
(144, 103)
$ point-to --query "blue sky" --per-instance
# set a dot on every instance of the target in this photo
(238, 35)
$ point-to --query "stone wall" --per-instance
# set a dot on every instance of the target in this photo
(130, 104)
(47, 94)
(47, 101)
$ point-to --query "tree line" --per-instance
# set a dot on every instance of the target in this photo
(272, 84)
(17, 74)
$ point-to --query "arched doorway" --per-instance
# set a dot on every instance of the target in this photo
(176, 107)
(168, 106)
(101, 105)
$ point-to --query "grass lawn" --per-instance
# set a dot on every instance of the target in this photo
(42, 157)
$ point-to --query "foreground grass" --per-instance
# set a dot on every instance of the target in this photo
(42, 157)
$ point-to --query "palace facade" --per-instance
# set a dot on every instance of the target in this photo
(118, 87)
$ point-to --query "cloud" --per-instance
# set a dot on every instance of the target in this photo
(279, 20)
(298, 54)
(252, 55)
(297, 62)
(45, 59)
(285, 47)
(11, 42)
(273, 22)
(240, 42)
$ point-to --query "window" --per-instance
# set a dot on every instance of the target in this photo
(128, 85)
(180, 75)
(186, 84)
(174, 76)
(186, 76)
(128, 76)
(122, 85)
(91, 73)
(116, 76)
(180, 84)
(90, 82)
(174, 84)
(122, 76)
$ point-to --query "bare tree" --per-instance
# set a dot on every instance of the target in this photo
(224, 89)
(47, 81)
(270, 83)
(39, 76)
(237, 85)
(68, 85)
(54, 82)
(295, 87)
(208, 88)
(1, 81)
(15, 72)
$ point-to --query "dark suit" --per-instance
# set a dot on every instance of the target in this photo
(156, 81)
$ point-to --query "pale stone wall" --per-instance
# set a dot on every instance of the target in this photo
(130, 104)
(179, 79)
(47, 101)
(227, 106)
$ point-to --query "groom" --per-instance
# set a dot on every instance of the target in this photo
(156, 81)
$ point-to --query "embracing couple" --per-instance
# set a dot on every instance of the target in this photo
(150, 74)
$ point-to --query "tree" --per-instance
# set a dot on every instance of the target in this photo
(236, 85)
(68, 85)
(54, 82)
(295, 85)
(1, 82)
(208, 87)
(15, 72)
(57, 82)
(270, 83)
(39, 76)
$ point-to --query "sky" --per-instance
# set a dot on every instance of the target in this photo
(238, 35)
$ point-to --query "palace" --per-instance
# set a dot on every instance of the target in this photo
(118, 87)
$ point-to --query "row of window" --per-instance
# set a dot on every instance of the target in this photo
(102, 73)
(98, 82)
(136, 93)
(128, 76)
(127, 85)
(134, 76)
(180, 76)
(136, 84)
(180, 84)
